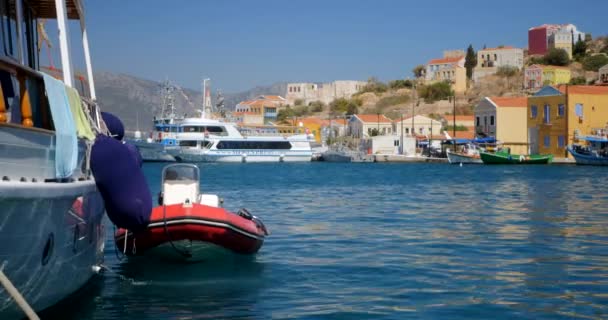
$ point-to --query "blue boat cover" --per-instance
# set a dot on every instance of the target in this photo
(121, 183)
(117, 130)
(594, 139)
(66, 145)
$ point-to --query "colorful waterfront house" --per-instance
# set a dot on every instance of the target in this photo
(490, 59)
(505, 119)
(603, 75)
(536, 76)
(450, 69)
(559, 116)
(364, 125)
(419, 125)
(265, 105)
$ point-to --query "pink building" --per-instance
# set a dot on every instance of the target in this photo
(533, 77)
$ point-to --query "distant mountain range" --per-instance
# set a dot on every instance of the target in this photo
(136, 100)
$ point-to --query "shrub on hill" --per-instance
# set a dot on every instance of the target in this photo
(436, 91)
(391, 101)
(507, 71)
(341, 105)
(557, 57)
(593, 63)
(578, 80)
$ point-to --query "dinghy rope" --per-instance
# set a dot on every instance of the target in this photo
(181, 252)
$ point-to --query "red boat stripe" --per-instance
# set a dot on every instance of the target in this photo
(197, 221)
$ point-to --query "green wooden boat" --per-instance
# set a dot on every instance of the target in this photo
(504, 157)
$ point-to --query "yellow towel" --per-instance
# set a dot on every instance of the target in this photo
(83, 127)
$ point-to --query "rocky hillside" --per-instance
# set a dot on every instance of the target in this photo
(136, 100)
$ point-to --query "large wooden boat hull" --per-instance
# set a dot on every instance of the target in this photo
(504, 158)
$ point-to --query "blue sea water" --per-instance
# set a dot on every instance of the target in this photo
(383, 241)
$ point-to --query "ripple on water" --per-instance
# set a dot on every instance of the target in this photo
(389, 242)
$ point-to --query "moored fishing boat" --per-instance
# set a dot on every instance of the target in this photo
(465, 158)
(186, 223)
(51, 235)
(594, 153)
(505, 157)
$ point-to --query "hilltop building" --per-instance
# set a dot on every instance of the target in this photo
(558, 116)
(561, 39)
(262, 109)
(505, 119)
(450, 68)
(325, 92)
(541, 38)
(489, 60)
(536, 76)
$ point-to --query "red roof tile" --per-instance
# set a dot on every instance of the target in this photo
(446, 60)
(601, 90)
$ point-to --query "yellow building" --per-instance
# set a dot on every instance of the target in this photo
(557, 117)
(450, 69)
(505, 119)
(555, 75)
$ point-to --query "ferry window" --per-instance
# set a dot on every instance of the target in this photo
(255, 145)
(192, 129)
(215, 129)
(187, 143)
(560, 110)
(206, 144)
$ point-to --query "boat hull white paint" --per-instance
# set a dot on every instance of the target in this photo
(51, 237)
(455, 158)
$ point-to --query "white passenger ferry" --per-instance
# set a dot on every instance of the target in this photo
(209, 140)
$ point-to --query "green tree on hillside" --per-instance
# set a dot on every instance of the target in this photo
(470, 61)
(593, 63)
(557, 57)
(419, 71)
(579, 50)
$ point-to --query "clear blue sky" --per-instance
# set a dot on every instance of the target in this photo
(240, 44)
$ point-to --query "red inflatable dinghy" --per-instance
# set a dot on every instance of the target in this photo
(186, 220)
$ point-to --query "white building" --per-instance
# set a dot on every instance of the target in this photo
(421, 126)
(490, 59)
(390, 144)
(362, 125)
(561, 39)
(324, 92)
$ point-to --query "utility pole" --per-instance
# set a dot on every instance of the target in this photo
(454, 118)
(401, 143)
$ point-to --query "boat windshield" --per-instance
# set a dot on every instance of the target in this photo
(181, 173)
